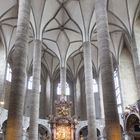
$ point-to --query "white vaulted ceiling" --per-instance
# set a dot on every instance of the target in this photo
(63, 25)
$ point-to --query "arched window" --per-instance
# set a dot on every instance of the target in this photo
(96, 98)
(67, 89)
(30, 84)
(95, 86)
(117, 91)
(59, 89)
(8, 73)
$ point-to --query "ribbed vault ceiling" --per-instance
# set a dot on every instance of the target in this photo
(63, 25)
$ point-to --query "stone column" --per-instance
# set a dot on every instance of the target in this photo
(34, 113)
(110, 107)
(2, 74)
(63, 80)
(101, 96)
(19, 58)
(92, 134)
(51, 96)
(75, 99)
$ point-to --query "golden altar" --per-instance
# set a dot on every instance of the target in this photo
(62, 123)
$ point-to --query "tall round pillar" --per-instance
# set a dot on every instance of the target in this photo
(63, 80)
(19, 58)
(106, 68)
(34, 112)
(90, 103)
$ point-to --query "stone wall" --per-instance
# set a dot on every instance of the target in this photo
(127, 79)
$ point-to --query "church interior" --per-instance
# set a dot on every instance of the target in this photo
(69, 70)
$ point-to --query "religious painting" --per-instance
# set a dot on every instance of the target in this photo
(63, 132)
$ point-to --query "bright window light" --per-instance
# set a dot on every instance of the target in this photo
(30, 83)
(95, 86)
(59, 89)
(67, 89)
(8, 73)
(117, 92)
